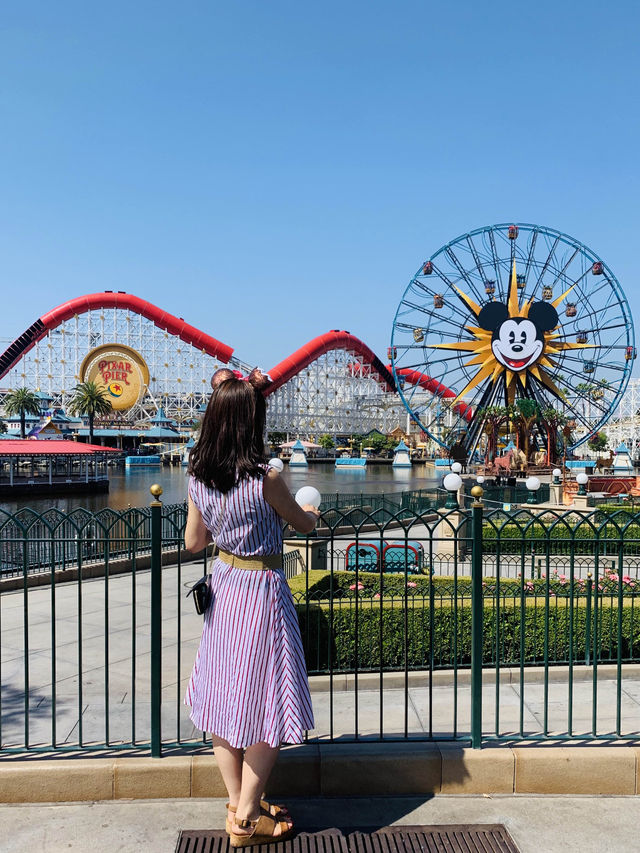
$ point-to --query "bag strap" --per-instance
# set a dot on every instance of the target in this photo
(215, 548)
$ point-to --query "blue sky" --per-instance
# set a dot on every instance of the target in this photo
(273, 170)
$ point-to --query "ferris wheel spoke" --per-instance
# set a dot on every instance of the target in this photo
(564, 269)
(452, 306)
(496, 265)
(545, 267)
(531, 253)
(454, 259)
(476, 259)
(607, 366)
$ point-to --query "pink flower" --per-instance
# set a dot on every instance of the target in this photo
(411, 583)
(626, 579)
(600, 586)
(614, 577)
(483, 583)
(377, 595)
(552, 594)
(544, 575)
(360, 586)
(563, 577)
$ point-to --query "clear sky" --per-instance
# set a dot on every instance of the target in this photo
(271, 170)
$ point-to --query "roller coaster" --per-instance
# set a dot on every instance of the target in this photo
(334, 384)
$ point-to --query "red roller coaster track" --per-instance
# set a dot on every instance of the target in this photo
(177, 326)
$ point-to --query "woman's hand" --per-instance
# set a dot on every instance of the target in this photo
(311, 508)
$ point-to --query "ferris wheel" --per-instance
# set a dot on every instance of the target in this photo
(508, 312)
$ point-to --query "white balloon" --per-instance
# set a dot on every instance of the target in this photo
(276, 464)
(308, 495)
(456, 467)
(452, 482)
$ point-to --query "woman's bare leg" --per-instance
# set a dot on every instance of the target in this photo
(229, 761)
(256, 769)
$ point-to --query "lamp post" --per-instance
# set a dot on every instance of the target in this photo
(556, 476)
(532, 484)
(452, 483)
(582, 480)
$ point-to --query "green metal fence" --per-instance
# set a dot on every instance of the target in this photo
(417, 621)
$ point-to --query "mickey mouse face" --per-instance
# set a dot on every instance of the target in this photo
(517, 342)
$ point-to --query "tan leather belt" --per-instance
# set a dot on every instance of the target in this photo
(272, 561)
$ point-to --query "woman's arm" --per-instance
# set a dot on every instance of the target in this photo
(196, 534)
(277, 495)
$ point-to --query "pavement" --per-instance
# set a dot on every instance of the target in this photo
(111, 700)
(545, 824)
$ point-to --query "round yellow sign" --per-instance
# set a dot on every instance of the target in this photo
(121, 370)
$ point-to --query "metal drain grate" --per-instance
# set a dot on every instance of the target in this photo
(467, 838)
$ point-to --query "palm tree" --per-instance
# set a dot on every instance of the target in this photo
(22, 402)
(90, 399)
(554, 421)
(527, 413)
(494, 418)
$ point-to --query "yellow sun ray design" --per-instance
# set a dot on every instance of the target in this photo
(482, 355)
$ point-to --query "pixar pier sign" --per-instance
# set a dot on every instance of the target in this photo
(121, 370)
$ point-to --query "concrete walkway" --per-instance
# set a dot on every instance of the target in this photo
(549, 824)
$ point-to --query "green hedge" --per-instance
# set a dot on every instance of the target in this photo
(579, 536)
(329, 634)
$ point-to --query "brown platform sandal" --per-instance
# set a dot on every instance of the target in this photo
(281, 811)
(262, 832)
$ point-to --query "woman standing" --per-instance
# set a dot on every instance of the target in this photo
(249, 684)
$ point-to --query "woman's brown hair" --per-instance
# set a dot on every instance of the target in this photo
(231, 443)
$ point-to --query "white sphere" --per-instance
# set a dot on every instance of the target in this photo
(557, 472)
(308, 495)
(480, 479)
(582, 479)
(456, 468)
(452, 482)
(276, 464)
(533, 484)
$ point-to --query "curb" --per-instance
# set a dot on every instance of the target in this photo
(346, 770)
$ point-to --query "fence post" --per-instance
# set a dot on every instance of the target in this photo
(476, 618)
(587, 626)
(156, 621)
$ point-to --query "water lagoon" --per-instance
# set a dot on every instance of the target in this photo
(131, 487)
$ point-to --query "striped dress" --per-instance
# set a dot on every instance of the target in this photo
(249, 681)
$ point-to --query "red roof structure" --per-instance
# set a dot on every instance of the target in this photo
(50, 447)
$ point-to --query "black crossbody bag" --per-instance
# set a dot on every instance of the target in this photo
(201, 590)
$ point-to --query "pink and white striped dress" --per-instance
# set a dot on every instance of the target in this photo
(249, 681)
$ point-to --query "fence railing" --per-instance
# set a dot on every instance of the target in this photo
(417, 621)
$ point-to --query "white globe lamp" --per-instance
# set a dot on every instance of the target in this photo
(452, 483)
(308, 495)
